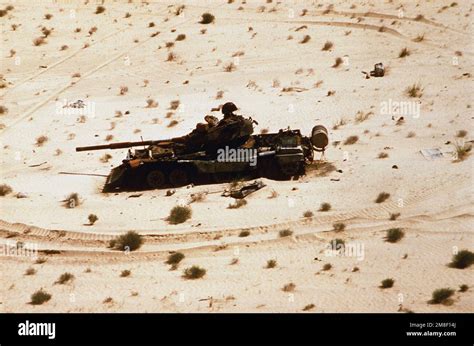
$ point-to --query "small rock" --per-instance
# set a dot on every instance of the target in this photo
(21, 195)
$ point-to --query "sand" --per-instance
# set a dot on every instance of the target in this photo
(434, 197)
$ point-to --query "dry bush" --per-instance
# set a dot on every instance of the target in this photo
(41, 140)
(351, 140)
(179, 214)
(382, 155)
(129, 241)
(394, 235)
(150, 103)
(414, 90)
(419, 38)
(99, 9)
(327, 46)
(230, 67)
(309, 307)
(40, 297)
(76, 75)
(169, 44)
(337, 63)
(273, 194)
(404, 52)
(462, 151)
(382, 197)
(194, 272)
(339, 226)
(271, 264)
(463, 288)
(394, 216)
(305, 39)
(340, 122)
(127, 15)
(175, 258)
(327, 266)
(125, 273)
(64, 47)
(151, 24)
(174, 105)
(308, 213)
(64, 278)
(325, 207)
(441, 296)
(387, 283)
(244, 234)
(5, 190)
(72, 201)
(463, 259)
(173, 123)
(171, 57)
(30, 271)
(39, 41)
(207, 18)
(219, 95)
(198, 197)
(109, 137)
(361, 116)
(92, 219)
(285, 233)
(411, 134)
(180, 37)
(123, 90)
(237, 204)
(289, 287)
(461, 133)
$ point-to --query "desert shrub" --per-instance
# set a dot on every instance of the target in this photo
(411, 134)
(41, 140)
(337, 63)
(337, 243)
(463, 288)
(123, 90)
(327, 266)
(305, 39)
(382, 197)
(419, 38)
(125, 273)
(179, 214)
(180, 37)
(387, 283)
(285, 233)
(325, 207)
(289, 287)
(175, 258)
(441, 296)
(99, 9)
(108, 300)
(327, 46)
(72, 200)
(351, 140)
(174, 104)
(404, 52)
(244, 234)
(234, 261)
(339, 226)
(309, 307)
(382, 155)
(230, 67)
(128, 241)
(40, 297)
(172, 123)
(414, 90)
(463, 259)
(39, 41)
(461, 133)
(394, 216)
(105, 158)
(198, 197)
(30, 271)
(194, 272)
(5, 190)
(92, 218)
(150, 103)
(462, 151)
(340, 122)
(207, 18)
(237, 204)
(308, 213)
(3, 110)
(271, 263)
(40, 260)
(394, 235)
(64, 278)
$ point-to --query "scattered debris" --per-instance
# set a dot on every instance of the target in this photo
(245, 190)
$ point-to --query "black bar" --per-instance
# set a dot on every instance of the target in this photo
(160, 329)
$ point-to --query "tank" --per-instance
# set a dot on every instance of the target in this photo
(213, 153)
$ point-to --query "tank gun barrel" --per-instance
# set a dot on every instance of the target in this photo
(119, 145)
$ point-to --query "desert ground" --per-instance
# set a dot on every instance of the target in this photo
(284, 63)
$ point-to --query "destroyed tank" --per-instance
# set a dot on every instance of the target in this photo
(214, 153)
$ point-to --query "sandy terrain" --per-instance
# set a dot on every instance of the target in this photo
(263, 40)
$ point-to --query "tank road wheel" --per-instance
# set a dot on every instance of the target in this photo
(156, 179)
(178, 177)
